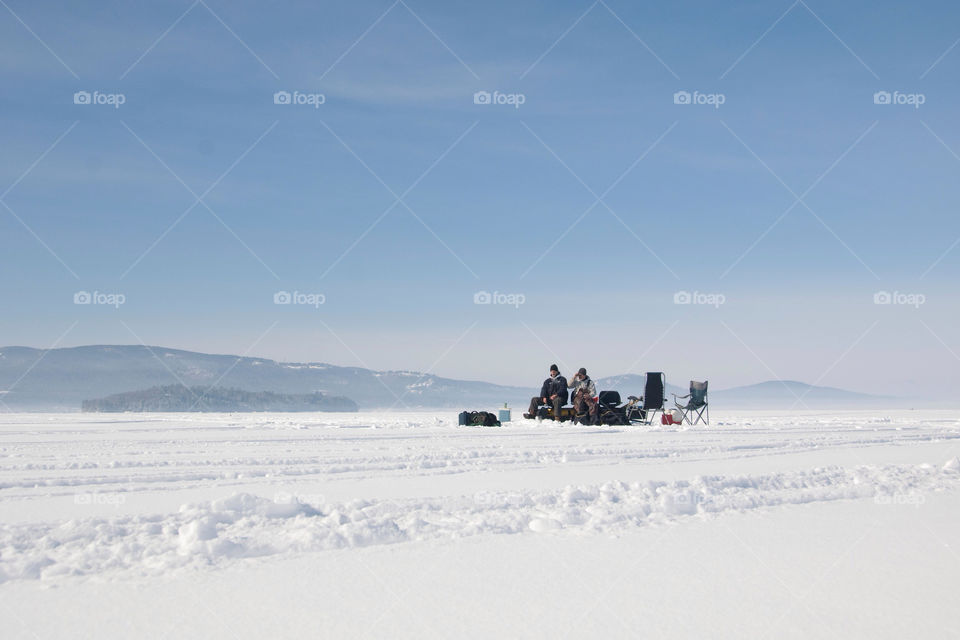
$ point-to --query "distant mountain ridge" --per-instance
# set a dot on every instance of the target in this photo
(61, 379)
(772, 394)
(775, 394)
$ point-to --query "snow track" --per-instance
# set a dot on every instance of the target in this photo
(124, 496)
(244, 525)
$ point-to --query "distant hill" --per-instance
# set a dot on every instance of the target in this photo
(776, 394)
(61, 379)
(773, 394)
(179, 398)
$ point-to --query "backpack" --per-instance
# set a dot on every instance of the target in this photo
(482, 419)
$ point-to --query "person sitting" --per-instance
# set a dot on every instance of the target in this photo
(584, 393)
(553, 393)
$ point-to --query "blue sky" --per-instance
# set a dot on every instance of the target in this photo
(597, 200)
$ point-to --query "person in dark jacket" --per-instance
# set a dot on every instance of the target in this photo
(553, 392)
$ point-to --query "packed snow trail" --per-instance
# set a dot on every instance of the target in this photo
(243, 525)
(62, 455)
(137, 494)
(812, 524)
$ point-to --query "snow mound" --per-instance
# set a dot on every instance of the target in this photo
(952, 466)
(243, 525)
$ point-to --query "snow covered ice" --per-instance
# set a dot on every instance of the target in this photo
(405, 525)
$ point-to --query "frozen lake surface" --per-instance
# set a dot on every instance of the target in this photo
(402, 524)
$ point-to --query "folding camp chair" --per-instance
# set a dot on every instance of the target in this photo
(652, 399)
(697, 404)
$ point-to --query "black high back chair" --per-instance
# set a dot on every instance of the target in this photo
(654, 394)
(645, 408)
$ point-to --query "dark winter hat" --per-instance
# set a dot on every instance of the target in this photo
(553, 367)
(582, 371)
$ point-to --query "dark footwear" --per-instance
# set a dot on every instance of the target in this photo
(528, 416)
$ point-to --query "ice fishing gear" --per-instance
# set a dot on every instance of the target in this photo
(478, 419)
